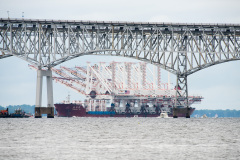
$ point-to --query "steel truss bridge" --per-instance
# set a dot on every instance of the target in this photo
(180, 48)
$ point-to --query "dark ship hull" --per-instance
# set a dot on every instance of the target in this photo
(77, 110)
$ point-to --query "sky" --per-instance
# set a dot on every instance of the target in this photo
(219, 84)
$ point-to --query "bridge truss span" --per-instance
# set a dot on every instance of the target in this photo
(180, 48)
(47, 43)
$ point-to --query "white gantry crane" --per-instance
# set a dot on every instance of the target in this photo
(119, 83)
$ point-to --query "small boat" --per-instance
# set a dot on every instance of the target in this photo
(163, 115)
(204, 116)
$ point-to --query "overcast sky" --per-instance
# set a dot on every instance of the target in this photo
(219, 85)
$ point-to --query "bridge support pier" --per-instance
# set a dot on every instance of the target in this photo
(181, 97)
(49, 110)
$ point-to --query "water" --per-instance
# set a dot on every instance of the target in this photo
(120, 138)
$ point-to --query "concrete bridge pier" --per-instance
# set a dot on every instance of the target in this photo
(49, 110)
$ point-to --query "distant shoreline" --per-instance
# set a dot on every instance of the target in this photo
(219, 113)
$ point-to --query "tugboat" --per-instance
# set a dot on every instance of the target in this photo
(19, 113)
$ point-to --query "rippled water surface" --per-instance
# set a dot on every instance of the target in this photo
(120, 138)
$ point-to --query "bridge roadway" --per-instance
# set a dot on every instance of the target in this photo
(180, 48)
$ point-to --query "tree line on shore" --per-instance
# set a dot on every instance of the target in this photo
(26, 108)
(218, 113)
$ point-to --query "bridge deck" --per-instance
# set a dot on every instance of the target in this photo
(118, 23)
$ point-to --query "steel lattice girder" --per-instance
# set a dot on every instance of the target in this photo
(47, 43)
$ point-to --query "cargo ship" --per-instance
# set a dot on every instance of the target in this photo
(19, 113)
(121, 89)
(78, 110)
